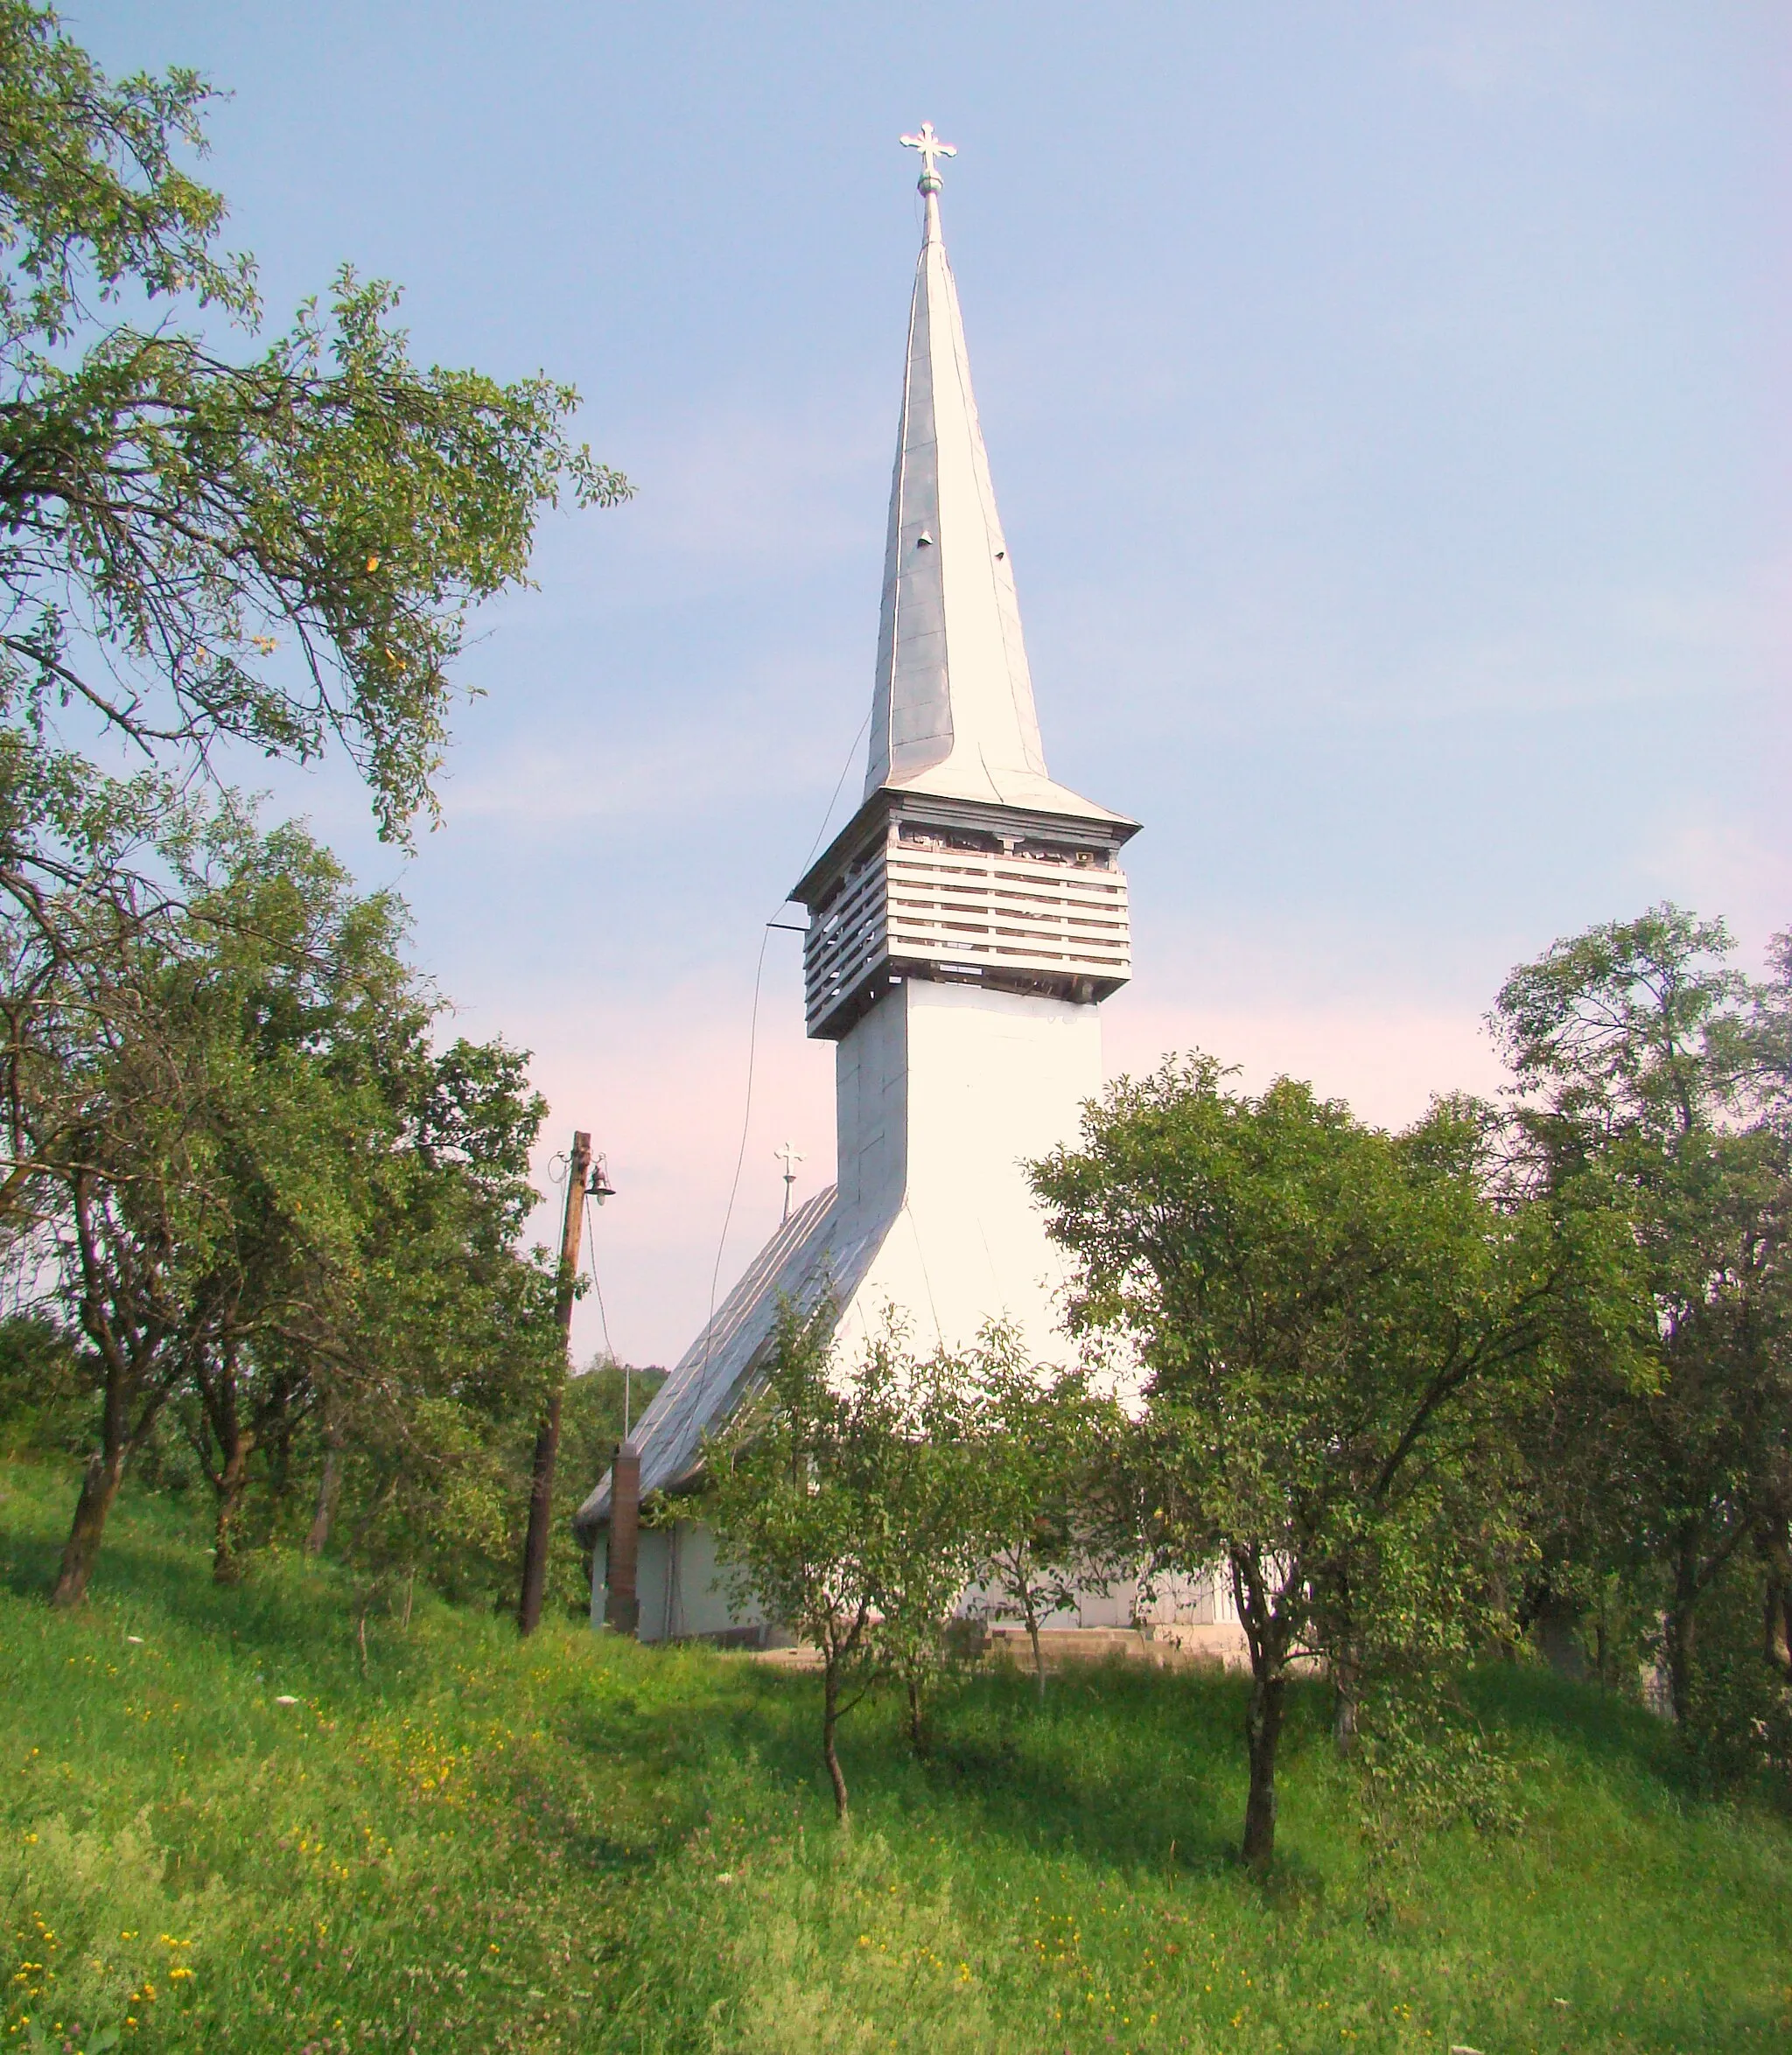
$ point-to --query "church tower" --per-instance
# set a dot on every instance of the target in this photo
(969, 919)
(964, 928)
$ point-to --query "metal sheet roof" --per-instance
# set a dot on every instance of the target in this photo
(954, 711)
(722, 1367)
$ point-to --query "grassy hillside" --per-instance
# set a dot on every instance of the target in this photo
(564, 1846)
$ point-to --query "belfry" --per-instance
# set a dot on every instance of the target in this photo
(964, 928)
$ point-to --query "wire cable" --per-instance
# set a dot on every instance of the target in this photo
(752, 1043)
(591, 1243)
(833, 797)
(753, 1040)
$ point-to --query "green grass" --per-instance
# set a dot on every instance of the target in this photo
(483, 1846)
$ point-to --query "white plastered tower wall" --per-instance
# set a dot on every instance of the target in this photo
(944, 1093)
(964, 927)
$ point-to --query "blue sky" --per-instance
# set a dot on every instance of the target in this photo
(1387, 409)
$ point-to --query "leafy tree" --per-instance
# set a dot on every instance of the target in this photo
(1335, 1325)
(933, 1477)
(1423, 1763)
(1037, 1438)
(281, 551)
(814, 1494)
(1770, 1082)
(199, 549)
(1640, 1059)
(45, 1389)
(283, 1202)
(109, 1114)
(446, 1350)
(205, 545)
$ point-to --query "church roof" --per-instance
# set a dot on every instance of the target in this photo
(954, 712)
(806, 1257)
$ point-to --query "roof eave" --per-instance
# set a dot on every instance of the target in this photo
(1086, 814)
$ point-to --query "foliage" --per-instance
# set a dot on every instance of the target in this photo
(578, 1844)
(805, 1494)
(1647, 1072)
(281, 551)
(281, 1203)
(933, 1472)
(1040, 1437)
(1738, 1725)
(1424, 1764)
(45, 1389)
(258, 1189)
(1336, 1326)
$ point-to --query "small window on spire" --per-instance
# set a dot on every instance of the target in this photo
(924, 541)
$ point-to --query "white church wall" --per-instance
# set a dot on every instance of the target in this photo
(945, 1093)
(1204, 1600)
(680, 1587)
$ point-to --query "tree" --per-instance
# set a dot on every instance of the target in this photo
(1644, 1067)
(1770, 1068)
(1334, 1325)
(933, 1475)
(1037, 1434)
(809, 1495)
(282, 1201)
(201, 550)
(417, 1353)
(112, 1113)
(280, 551)
(45, 1389)
(202, 547)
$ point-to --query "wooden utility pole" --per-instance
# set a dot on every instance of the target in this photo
(541, 1497)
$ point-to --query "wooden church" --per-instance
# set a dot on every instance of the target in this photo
(964, 927)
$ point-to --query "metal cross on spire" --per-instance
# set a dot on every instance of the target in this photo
(789, 1156)
(931, 148)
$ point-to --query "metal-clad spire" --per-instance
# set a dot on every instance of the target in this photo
(954, 711)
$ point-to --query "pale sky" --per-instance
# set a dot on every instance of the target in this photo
(1387, 409)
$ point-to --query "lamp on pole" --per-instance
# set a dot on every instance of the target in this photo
(581, 1182)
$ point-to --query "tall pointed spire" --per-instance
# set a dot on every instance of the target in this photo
(954, 711)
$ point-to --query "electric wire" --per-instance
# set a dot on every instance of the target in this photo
(752, 1037)
(591, 1241)
(591, 1244)
(752, 1043)
(833, 797)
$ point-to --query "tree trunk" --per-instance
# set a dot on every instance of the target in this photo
(105, 1470)
(917, 1716)
(1683, 1624)
(1263, 1728)
(1038, 1661)
(1346, 1689)
(99, 1487)
(830, 1721)
(226, 1564)
(1776, 1605)
(329, 1490)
